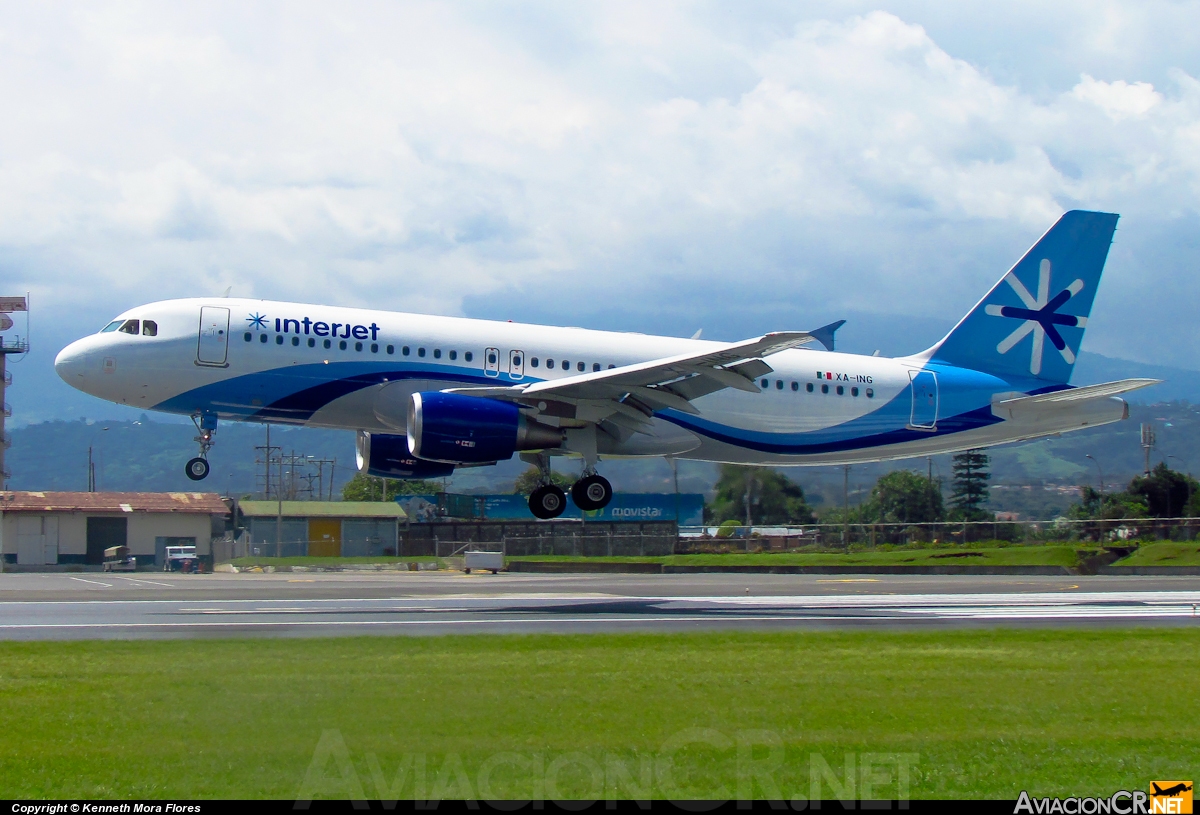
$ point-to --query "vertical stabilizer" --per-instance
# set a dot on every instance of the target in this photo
(1031, 323)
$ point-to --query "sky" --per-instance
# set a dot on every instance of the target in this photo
(660, 167)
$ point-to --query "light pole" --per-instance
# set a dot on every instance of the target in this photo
(1101, 472)
(1186, 468)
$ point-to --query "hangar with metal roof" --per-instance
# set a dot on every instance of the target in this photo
(48, 528)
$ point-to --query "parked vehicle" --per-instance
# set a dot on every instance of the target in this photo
(181, 559)
(483, 561)
(118, 559)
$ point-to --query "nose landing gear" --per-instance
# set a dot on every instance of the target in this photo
(206, 424)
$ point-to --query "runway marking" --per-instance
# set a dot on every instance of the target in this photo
(93, 582)
(151, 582)
(852, 580)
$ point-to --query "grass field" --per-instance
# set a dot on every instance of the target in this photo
(970, 713)
(1060, 555)
(1163, 554)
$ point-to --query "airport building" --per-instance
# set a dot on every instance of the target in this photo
(322, 528)
(56, 528)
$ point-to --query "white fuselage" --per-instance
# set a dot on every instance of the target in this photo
(325, 366)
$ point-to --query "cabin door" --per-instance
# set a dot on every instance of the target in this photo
(213, 348)
(924, 400)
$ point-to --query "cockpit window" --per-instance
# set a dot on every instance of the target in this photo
(149, 328)
(113, 326)
(130, 327)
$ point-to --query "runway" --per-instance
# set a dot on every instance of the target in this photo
(153, 605)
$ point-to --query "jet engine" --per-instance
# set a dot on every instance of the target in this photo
(384, 455)
(469, 429)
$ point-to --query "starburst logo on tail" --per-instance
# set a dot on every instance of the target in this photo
(1040, 317)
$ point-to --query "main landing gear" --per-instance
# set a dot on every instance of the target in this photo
(591, 492)
(206, 424)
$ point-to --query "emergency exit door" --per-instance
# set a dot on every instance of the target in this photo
(213, 347)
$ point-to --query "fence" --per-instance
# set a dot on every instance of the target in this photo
(1112, 530)
(589, 539)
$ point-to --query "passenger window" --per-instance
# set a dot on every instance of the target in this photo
(437, 353)
(262, 338)
(328, 343)
(611, 365)
(420, 352)
(358, 346)
(312, 343)
(491, 359)
(582, 366)
(809, 387)
(468, 356)
(453, 355)
(778, 384)
(149, 328)
(279, 339)
(374, 348)
(533, 362)
(549, 363)
(870, 393)
(113, 326)
(840, 390)
(295, 341)
(130, 327)
(595, 366)
(824, 389)
(766, 383)
(342, 345)
(854, 391)
(404, 350)
(391, 349)
(566, 366)
(247, 336)
(795, 386)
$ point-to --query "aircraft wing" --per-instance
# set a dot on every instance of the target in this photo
(636, 391)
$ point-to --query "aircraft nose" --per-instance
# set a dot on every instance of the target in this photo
(69, 364)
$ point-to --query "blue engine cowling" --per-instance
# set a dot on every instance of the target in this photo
(470, 429)
(387, 456)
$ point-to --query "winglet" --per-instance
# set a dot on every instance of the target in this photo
(824, 334)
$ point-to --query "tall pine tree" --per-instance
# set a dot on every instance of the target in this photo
(970, 494)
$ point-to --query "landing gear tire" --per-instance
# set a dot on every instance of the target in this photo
(591, 492)
(197, 469)
(547, 501)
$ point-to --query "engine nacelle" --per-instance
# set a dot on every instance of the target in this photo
(470, 429)
(387, 456)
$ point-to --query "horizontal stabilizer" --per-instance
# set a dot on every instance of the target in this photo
(1015, 405)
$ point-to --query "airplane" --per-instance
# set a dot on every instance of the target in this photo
(1170, 792)
(429, 394)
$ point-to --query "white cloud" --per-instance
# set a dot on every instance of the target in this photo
(1120, 99)
(413, 155)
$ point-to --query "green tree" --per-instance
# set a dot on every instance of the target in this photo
(1095, 506)
(365, 487)
(1165, 492)
(757, 495)
(903, 496)
(969, 492)
(529, 480)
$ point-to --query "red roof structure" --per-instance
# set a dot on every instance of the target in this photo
(192, 503)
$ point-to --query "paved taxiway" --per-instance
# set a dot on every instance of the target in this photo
(95, 605)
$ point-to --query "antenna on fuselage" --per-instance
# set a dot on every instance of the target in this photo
(227, 291)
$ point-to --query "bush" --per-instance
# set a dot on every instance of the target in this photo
(726, 529)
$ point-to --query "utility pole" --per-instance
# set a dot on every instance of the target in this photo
(846, 505)
(266, 461)
(1147, 443)
(91, 471)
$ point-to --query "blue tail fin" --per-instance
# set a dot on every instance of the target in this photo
(1031, 323)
